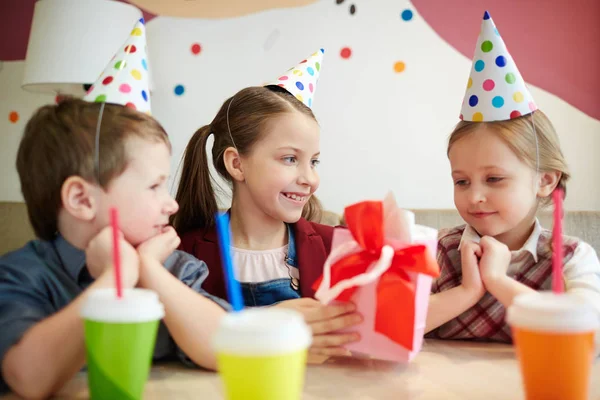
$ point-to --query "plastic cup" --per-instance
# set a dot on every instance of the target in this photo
(261, 354)
(554, 341)
(120, 335)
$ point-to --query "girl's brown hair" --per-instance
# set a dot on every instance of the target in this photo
(240, 124)
(519, 134)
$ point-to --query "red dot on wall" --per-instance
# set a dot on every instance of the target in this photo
(346, 52)
(13, 117)
(196, 48)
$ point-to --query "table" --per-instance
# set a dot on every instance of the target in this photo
(446, 370)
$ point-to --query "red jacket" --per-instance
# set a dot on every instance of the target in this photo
(313, 244)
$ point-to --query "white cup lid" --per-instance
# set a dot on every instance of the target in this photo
(262, 331)
(136, 305)
(550, 312)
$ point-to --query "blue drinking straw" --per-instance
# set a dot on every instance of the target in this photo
(234, 291)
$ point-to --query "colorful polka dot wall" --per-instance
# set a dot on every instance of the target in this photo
(496, 90)
(346, 52)
(301, 80)
(125, 80)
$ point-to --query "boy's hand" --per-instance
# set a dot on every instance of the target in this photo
(472, 281)
(495, 260)
(99, 257)
(161, 246)
(324, 321)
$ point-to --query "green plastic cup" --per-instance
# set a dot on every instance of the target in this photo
(120, 335)
(261, 354)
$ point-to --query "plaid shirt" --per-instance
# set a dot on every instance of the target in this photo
(531, 265)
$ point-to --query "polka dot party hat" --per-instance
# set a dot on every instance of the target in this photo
(125, 79)
(301, 80)
(496, 90)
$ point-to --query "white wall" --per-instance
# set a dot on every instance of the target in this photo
(14, 99)
(380, 130)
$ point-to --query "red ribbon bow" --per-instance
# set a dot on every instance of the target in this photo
(395, 311)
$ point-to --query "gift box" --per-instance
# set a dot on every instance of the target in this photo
(385, 264)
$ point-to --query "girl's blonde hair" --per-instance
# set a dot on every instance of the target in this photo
(520, 136)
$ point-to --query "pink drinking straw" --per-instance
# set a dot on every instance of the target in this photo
(557, 242)
(114, 223)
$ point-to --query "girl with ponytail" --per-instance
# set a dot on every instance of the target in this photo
(266, 146)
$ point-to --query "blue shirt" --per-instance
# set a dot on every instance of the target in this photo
(42, 277)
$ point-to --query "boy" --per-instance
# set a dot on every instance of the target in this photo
(42, 285)
(69, 185)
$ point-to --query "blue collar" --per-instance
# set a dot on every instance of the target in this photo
(72, 258)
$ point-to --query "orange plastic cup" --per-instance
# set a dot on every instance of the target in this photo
(554, 341)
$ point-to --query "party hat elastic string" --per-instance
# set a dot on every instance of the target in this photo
(537, 147)
(129, 91)
(228, 127)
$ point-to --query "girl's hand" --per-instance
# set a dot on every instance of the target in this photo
(495, 259)
(324, 321)
(472, 281)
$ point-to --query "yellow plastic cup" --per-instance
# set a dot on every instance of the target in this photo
(261, 354)
(554, 341)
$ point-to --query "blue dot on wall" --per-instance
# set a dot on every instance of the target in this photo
(179, 89)
(407, 15)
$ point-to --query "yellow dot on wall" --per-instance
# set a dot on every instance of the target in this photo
(399, 66)
(136, 74)
(478, 117)
(470, 83)
(518, 97)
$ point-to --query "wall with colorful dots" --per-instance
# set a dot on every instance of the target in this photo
(391, 87)
(16, 106)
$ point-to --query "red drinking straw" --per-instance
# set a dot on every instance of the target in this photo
(114, 223)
